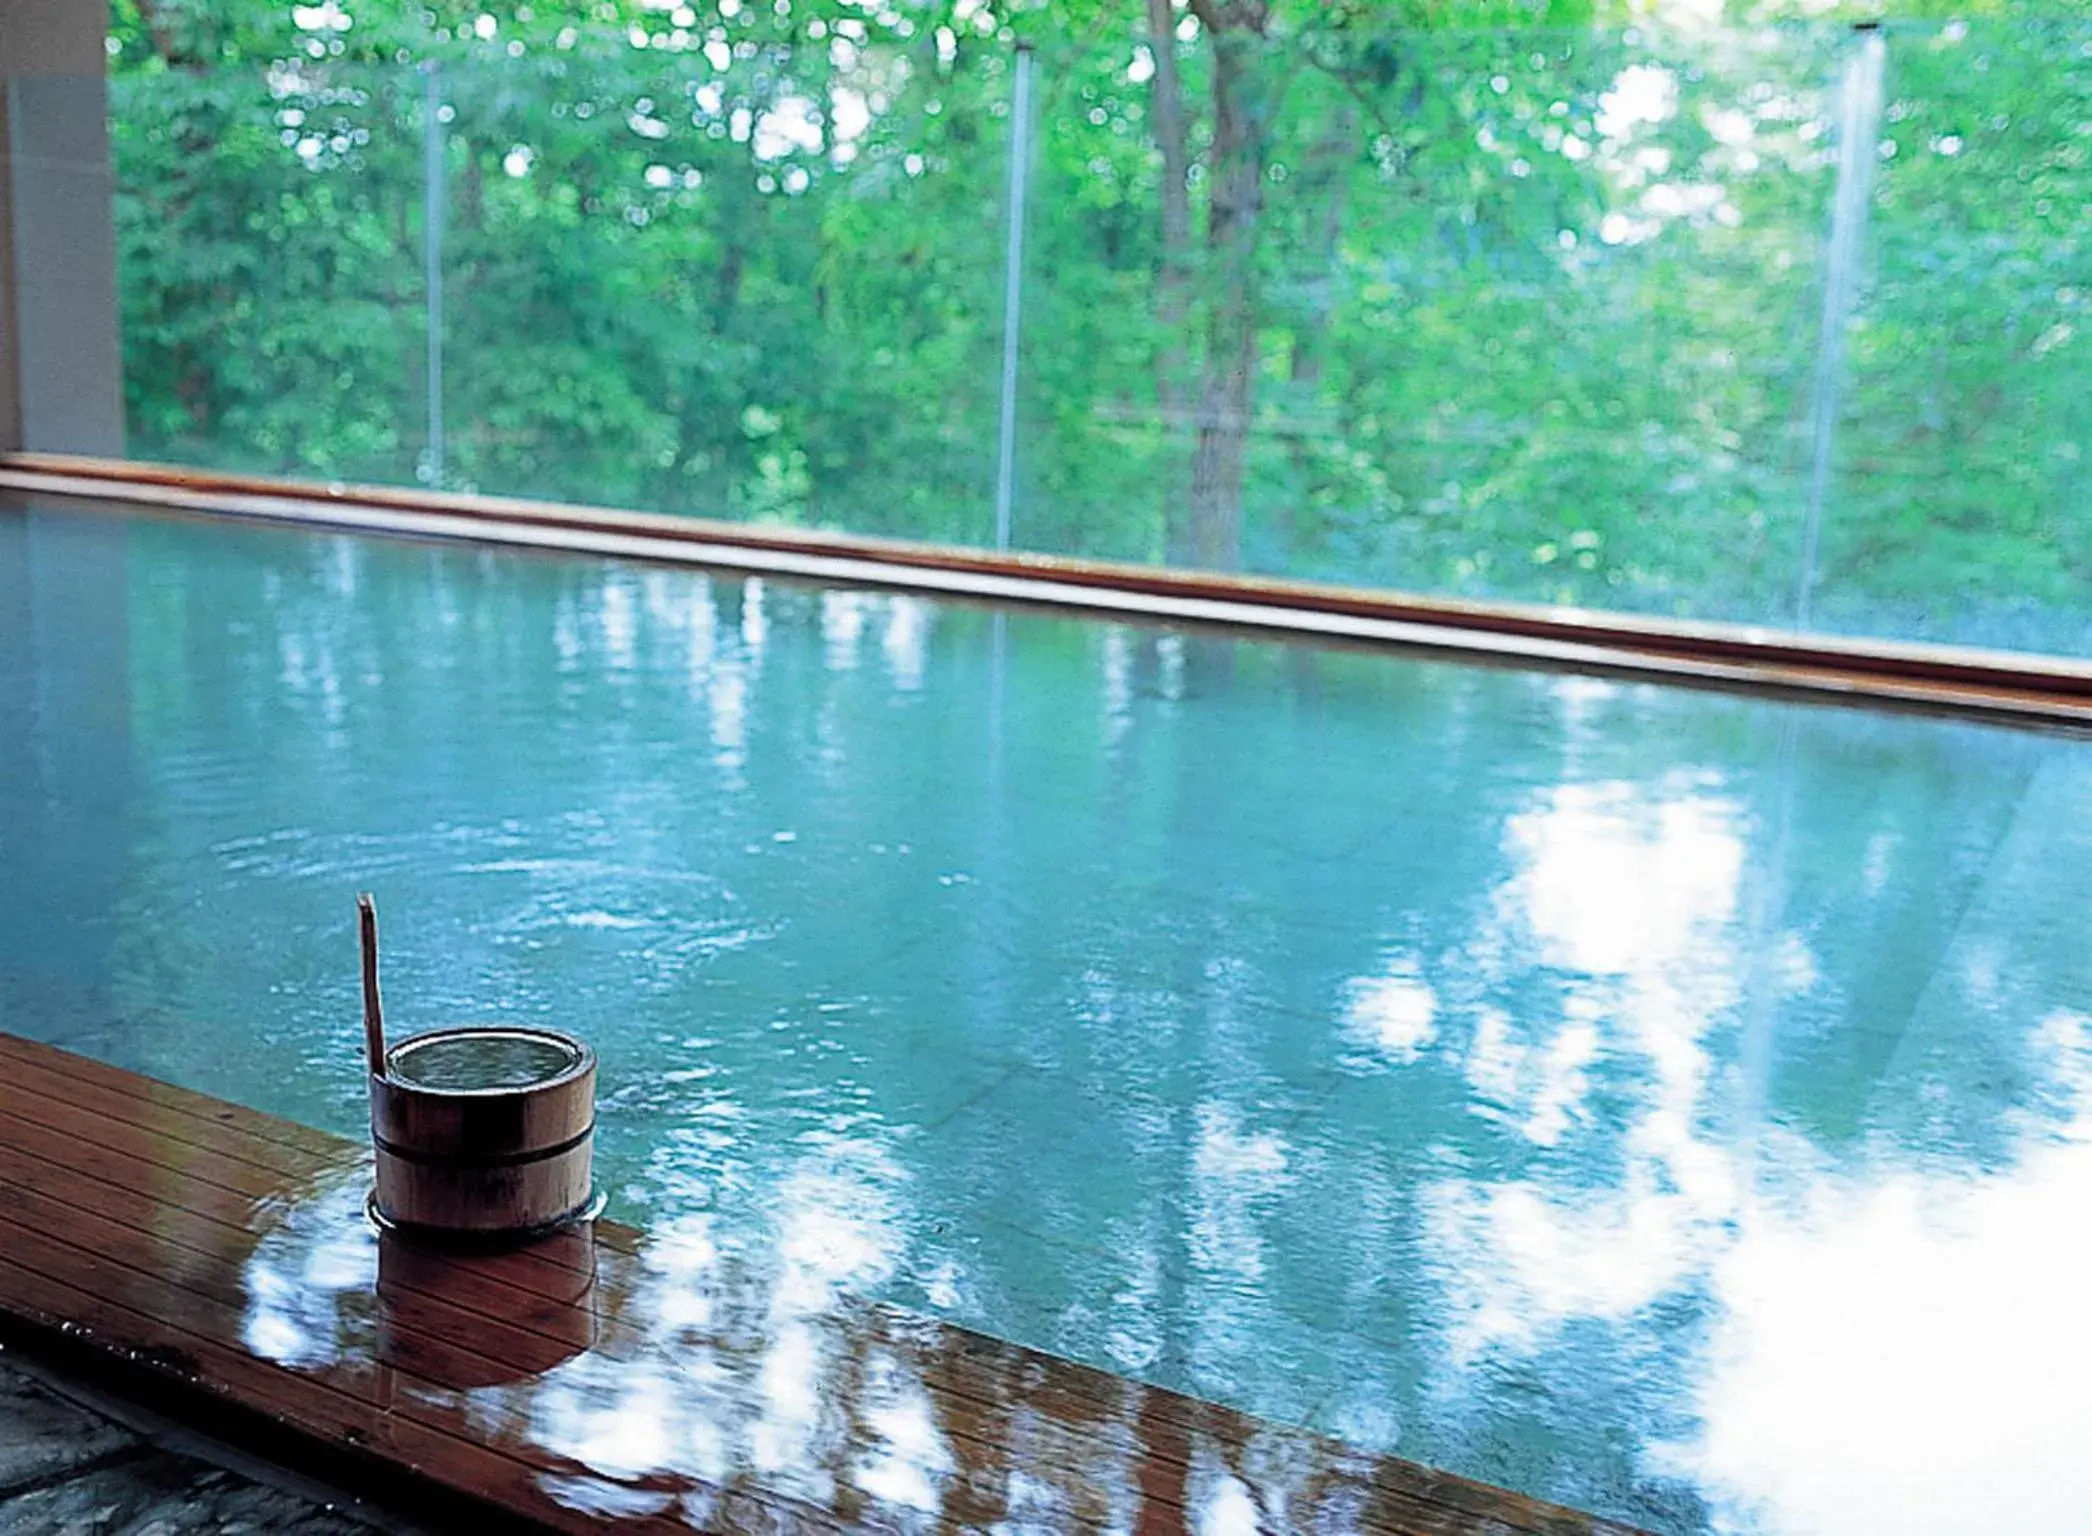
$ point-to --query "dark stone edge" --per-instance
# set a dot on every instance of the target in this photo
(384, 1491)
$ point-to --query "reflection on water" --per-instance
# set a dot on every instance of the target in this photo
(481, 1060)
(1665, 1103)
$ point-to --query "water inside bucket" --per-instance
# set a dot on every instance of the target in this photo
(490, 1059)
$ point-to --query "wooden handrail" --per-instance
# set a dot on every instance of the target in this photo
(2025, 686)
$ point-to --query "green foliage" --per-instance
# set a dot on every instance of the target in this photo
(1532, 301)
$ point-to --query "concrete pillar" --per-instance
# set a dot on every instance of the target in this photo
(61, 373)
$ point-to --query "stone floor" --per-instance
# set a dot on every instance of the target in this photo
(76, 1463)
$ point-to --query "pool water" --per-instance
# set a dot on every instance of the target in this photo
(1671, 1103)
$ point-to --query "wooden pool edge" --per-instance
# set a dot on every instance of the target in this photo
(2023, 688)
(137, 1283)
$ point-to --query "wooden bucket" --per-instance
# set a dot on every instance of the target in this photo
(485, 1131)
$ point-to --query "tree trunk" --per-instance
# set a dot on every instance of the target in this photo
(1234, 212)
(163, 38)
(1328, 179)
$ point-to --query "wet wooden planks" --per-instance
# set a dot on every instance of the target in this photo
(608, 1380)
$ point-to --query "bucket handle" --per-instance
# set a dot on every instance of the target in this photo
(373, 1010)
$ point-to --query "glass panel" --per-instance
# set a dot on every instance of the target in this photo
(1570, 316)
(268, 247)
(1560, 315)
(1506, 314)
(1962, 506)
(755, 277)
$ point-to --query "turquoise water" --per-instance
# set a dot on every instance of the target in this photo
(1675, 1104)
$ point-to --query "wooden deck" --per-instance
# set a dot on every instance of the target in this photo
(606, 1380)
